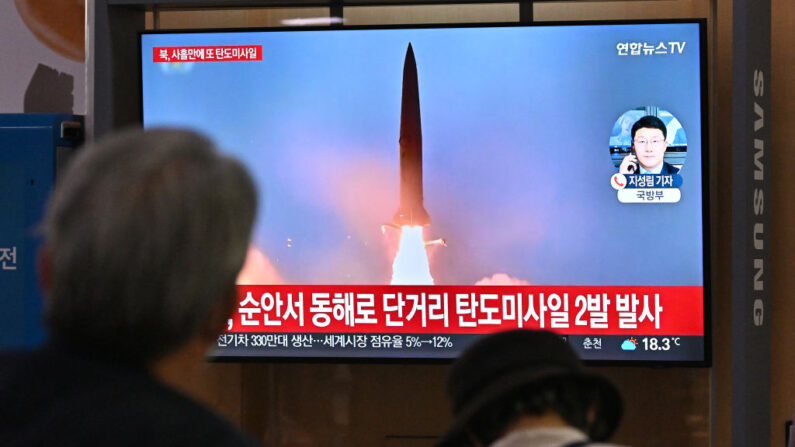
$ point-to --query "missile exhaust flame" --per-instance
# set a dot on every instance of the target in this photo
(410, 266)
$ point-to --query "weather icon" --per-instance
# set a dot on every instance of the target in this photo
(629, 344)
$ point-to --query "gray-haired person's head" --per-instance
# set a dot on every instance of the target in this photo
(145, 234)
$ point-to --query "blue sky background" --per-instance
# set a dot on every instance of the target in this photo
(516, 123)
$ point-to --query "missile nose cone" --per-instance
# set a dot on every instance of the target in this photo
(410, 122)
(410, 55)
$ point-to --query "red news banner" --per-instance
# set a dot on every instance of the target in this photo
(668, 310)
(226, 53)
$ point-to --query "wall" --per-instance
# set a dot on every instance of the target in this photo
(782, 159)
(41, 59)
(720, 377)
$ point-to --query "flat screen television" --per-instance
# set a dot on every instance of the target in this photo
(423, 186)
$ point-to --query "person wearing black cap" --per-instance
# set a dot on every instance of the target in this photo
(525, 388)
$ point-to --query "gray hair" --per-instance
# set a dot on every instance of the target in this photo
(147, 231)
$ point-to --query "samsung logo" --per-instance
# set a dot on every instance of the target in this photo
(759, 200)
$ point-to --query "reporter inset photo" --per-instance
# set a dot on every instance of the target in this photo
(648, 140)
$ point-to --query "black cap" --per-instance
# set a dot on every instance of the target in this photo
(503, 362)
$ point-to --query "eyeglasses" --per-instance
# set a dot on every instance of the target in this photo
(655, 142)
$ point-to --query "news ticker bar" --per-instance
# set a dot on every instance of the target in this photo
(605, 310)
(432, 346)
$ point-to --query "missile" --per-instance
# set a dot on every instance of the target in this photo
(411, 210)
